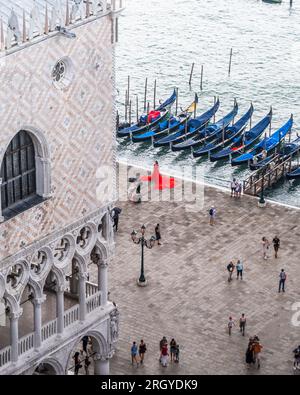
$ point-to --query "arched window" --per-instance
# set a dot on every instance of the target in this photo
(18, 174)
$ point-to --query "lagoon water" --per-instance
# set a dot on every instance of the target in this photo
(160, 39)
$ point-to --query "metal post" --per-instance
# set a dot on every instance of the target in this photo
(142, 276)
(191, 74)
(145, 97)
(201, 82)
(154, 99)
(229, 69)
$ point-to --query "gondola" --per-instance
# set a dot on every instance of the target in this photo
(189, 128)
(284, 153)
(147, 122)
(167, 126)
(225, 136)
(295, 174)
(208, 133)
(266, 146)
(242, 143)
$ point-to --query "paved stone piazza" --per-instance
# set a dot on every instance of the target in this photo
(188, 296)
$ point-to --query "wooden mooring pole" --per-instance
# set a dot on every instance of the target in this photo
(128, 89)
(154, 98)
(291, 3)
(145, 97)
(215, 100)
(176, 111)
(130, 112)
(201, 81)
(137, 109)
(230, 60)
(191, 75)
(126, 97)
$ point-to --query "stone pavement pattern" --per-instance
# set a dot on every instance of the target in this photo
(188, 296)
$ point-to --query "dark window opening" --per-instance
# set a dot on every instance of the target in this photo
(18, 173)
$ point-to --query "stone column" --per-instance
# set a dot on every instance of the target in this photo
(14, 335)
(1, 216)
(43, 177)
(102, 281)
(60, 309)
(37, 303)
(101, 365)
(82, 296)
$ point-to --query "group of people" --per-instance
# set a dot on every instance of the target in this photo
(254, 351)
(138, 351)
(296, 353)
(239, 270)
(84, 360)
(164, 352)
(242, 324)
(236, 188)
(266, 246)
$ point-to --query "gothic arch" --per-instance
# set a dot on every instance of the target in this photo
(41, 153)
(54, 363)
(102, 249)
(100, 346)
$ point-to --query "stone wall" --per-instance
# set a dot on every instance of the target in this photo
(77, 124)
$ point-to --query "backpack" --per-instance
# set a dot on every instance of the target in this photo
(211, 212)
(282, 276)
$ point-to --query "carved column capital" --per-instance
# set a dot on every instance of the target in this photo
(104, 357)
(15, 315)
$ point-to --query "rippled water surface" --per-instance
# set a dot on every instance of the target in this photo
(161, 39)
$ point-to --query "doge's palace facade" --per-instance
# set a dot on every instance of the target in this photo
(57, 149)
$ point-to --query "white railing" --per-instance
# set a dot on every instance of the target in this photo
(49, 329)
(5, 356)
(26, 343)
(71, 316)
(93, 302)
(91, 289)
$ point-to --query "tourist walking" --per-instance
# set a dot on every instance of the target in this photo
(249, 352)
(265, 246)
(173, 347)
(157, 234)
(230, 325)
(86, 365)
(282, 278)
(238, 190)
(276, 244)
(142, 350)
(239, 270)
(77, 364)
(162, 343)
(212, 215)
(233, 185)
(134, 352)
(177, 354)
(257, 347)
(296, 353)
(85, 341)
(230, 268)
(243, 324)
(164, 355)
